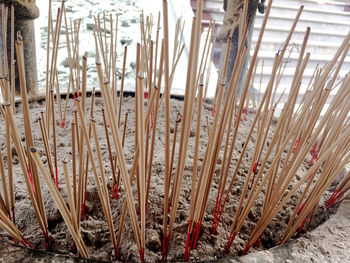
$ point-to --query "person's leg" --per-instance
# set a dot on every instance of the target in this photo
(232, 56)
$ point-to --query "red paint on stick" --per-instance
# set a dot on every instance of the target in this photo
(188, 249)
(25, 240)
(257, 242)
(301, 209)
(199, 224)
(245, 113)
(313, 150)
(246, 248)
(296, 145)
(301, 226)
(152, 123)
(255, 168)
(82, 211)
(230, 241)
(31, 180)
(213, 111)
(331, 198)
(334, 199)
(309, 224)
(116, 253)
(165, 247)
(142, 255)
(216, 211)
(63, 122)
(115, 193)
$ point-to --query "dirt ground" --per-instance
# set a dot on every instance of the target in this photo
(94, 229)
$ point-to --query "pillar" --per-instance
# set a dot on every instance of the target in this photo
(25, 13)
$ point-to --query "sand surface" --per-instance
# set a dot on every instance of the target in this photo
(94, 229)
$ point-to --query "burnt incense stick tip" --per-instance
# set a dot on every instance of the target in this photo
(77, 100)
(97, 61)
(92, 119)
(7, 103)
(86, 54)
(65, 161)
(178, 117)
(19, 36)
(93, 91)
(32, 149)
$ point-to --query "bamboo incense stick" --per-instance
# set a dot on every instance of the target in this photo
(70, 194)
(177, 121)
(123, 142)
(109, 150)
(60, 204)
(28, 131)
(83, 81)
(46, 145)
(23, 163)
(120, 156)
(13, 77)
(85, 179)
(49, 22)
(121, 94)
(54, 134)
(167, 114)
(5, 205)
(74, 168)
(108, 212)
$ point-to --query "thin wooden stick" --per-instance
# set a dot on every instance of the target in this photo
(108, 213)
(60, 204)
(24, 166)
(109, 150)
(46, 145)
(13, 77)
(85, 179)
(121, 94)
(28, 132)
(72, 207)
(49, 22)
(177, 121)
(74, 168)
(142, 167)
(120, 156)
(83, 81)
(167, 116)
(71, 74)
(5, 205)
(54, 134)
(123, 142)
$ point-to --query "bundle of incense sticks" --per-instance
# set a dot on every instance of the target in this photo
(302, 132)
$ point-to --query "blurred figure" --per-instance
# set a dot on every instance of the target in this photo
(230, 27)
